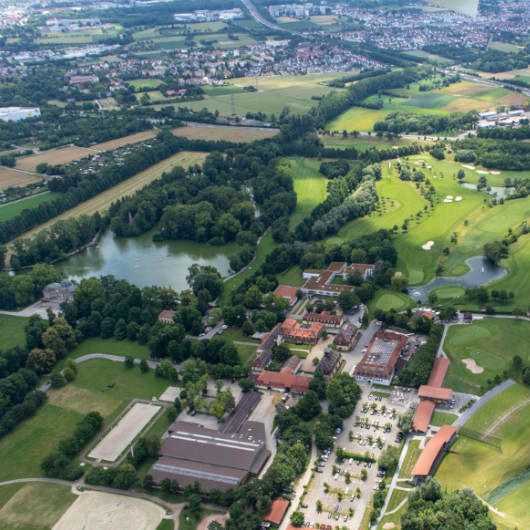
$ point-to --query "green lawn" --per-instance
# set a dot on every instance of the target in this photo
(483, 467)
(395, 518)
(397, 498)
(111, 346)
(410, 459)
(245, 352)
(235, 333)
(144, 83)
(12, 331)
(442, 418)
(166, 524)
(11, 209)
(36, 506)
(361, 143)
(309, 185)
(22, 451)
(386, 299)
(492, 343)
(292, 276)
(448, 292)
(187, 521)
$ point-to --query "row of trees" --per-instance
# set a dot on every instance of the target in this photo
(400, 122)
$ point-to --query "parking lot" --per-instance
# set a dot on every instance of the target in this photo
(340, 491)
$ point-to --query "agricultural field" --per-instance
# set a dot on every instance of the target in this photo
(14, 208)
(400, 200)
(101, 202)
(361, 143)
(273, 94)
(458, 97)
(61, 155)
(497, 475)
(309, 185)
(491, 343)
(10, 178)
(33, 506)
(12, 331)
(229, 134)
(141, 136)
(430, 57)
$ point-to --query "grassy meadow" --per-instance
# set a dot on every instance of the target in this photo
(491, 343)
(14, 208)
(492, 473)
(410, 459)
(12, 331)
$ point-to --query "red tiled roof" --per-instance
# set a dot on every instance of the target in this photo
(423, 415)
(286, 291)
(438, 372)
(277, 511)
(298, 383)
(432, 449)
(324, 318)
(292, 330)
(434, 392)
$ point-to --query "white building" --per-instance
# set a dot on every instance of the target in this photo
(18, 113)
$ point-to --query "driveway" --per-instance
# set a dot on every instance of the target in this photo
(352, 358)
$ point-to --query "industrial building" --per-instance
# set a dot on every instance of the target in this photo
(18, 113)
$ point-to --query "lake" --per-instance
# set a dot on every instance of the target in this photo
(143, 262)
(481, 272)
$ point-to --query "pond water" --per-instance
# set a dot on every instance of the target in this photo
(141, 261)
(481, 272)
(500, 192)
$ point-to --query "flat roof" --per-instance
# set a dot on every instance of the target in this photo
(438, 372)
(432, 450)
(434, 392)
(423, 415)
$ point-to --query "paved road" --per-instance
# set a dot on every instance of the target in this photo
(352, 358)
(394, 480)
(482, 401)
(262, 20)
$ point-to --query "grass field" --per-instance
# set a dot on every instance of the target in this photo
(448, 292)
(273, 94)
(35, 506)
(12, 331)
(143, 83)
(10, 178)
(309, 185)
(361, 143)
(442, 418)
(292, 276)
(485, 468)
(397, 498)
(245, 352)
(101, 202)
(386, 300)
(61, 155)
(112, 346)
(410, 459)
(492, 343)
(402, 201)
(189, 521)
(394, 519)
(14, 208)
(242, 134)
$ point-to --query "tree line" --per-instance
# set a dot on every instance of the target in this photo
(400, 122)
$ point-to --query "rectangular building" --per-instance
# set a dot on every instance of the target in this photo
(346, 337)
(320, 281)
(330, 320)
(293, 331)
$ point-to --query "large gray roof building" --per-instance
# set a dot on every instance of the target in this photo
(192, 454)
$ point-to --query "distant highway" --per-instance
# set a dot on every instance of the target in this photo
(262, 20)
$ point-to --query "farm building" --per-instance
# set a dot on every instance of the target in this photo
(191, 453)
(346, 337)
(330, 320)
(18, 113)
(287, 292)
(433, 453)
(379, 362)
(283, 380)
(435, 393)
(276, 513)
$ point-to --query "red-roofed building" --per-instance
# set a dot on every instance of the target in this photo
(438, 372)
(435, 393)
(264, 351)
(278, 508)
(287, 292)
(293, 331)
(423, 415)
(433, 453)
(166, 316)
(283, 380)
(327, 318)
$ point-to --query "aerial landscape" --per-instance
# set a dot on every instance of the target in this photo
(264, 265)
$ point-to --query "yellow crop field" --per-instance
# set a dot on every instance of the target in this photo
(467, 104)
(53, 157)
(10, 177)
(101, 202)
(124, 140)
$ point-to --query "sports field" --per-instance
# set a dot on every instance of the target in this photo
(95, 510)
(12, 331)
(309, 185)
(10, 177)
(35, 506)
(14, 208)
(124, 432)
(101, 202)
(230, 134)
(491, 343)
(272, 95)
(496, 475)
(61, 155)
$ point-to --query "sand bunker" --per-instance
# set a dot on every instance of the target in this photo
(93, 510)
(458, 199)
(472, 366)
(481, 172)
(468, 167)
(389, 526)
(446, 200)
(495, 172)
(428, 245)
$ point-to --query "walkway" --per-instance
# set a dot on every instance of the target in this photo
(482, 401)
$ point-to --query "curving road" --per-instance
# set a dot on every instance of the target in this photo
(258, 17)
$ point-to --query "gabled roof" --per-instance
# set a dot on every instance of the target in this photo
(278, 508)
(432, 450)
(286, 291)
(423, 415)
(438, 372)
(298, 383)
(434, 392)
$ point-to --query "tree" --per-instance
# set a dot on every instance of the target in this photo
(495, 251)
(388, 459)
(347, 300)
(194, 504)
(129, 361)
(147, 483)
(364, 474)
(297, 519)
(57, 380)
(517, 362)
(309, 406)
(144, 367)
(405, 422)
(172, 414)
(205, 277)
(343, 393)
